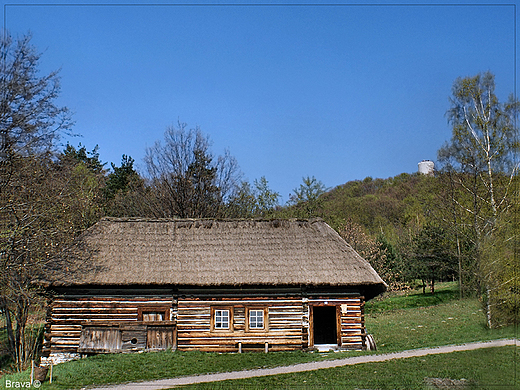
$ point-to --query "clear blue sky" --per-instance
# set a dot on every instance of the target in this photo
(339, 92)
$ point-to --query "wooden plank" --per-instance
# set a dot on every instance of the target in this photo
(114, 303)
(101, 299)
(63, 334)
(62, 341)
(68, 310)
(160, 337)
(100, 338)
(234, 343)
(94, 314)
(338, 325)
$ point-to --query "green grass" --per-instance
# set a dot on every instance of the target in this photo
(419, 325)
(490, 368)
(444, 293)
(456, 322)
(416, 320)
(118, 368)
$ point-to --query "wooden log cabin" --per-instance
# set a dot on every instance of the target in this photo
(209, 285)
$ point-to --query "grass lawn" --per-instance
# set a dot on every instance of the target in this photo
(120, 368)
(444, 293)
(456, 322)
(491, 368)
(451, 322)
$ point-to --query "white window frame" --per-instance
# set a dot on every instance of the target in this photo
(221, 324)
(265, 319)
(256, 314)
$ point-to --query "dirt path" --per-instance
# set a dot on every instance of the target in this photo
(168, 383)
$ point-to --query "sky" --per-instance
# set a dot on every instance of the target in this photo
(338, 91)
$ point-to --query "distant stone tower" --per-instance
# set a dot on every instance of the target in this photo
(426, 167)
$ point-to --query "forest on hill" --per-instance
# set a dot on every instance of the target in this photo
(394, 223)
(459, 223)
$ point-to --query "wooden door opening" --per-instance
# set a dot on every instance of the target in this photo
(325, 325)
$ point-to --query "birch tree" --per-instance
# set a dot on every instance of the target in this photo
(480, 164)
(482, 149)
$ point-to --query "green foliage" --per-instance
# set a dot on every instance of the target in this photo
(73, 156)
(125, 192)
(499, 267)
(382, 206)
(483, 137)
(247, 202)
(379, 253)
(243, 203)
(200, 183)
(372, 251)
(86, 207)
(434, 255)
(266, 198)
(85, 182)
(479, 171)
(119, 180)
(306, 199)
(379, 218)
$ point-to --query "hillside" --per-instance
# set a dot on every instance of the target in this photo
(386, 206)
(386, 221)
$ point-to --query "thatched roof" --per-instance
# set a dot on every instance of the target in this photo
(124, 252)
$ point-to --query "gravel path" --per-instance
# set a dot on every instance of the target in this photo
(168, 383)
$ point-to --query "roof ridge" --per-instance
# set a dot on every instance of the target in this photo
(146, 219)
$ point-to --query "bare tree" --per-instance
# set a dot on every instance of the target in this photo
(32, 224)
(30, 120)
(39, 214)
(184, 177)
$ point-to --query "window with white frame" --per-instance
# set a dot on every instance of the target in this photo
(256, 319)
(221, 319)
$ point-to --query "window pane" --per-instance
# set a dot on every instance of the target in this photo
(221, 319)
(153, 316)
(256, 319)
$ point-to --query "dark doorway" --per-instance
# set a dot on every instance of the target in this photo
(324, 318)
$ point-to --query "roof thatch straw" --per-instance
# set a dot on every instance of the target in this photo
(218, 253)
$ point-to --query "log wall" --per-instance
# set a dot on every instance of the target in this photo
(287, 323)
(284, 327)
(68, 314)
